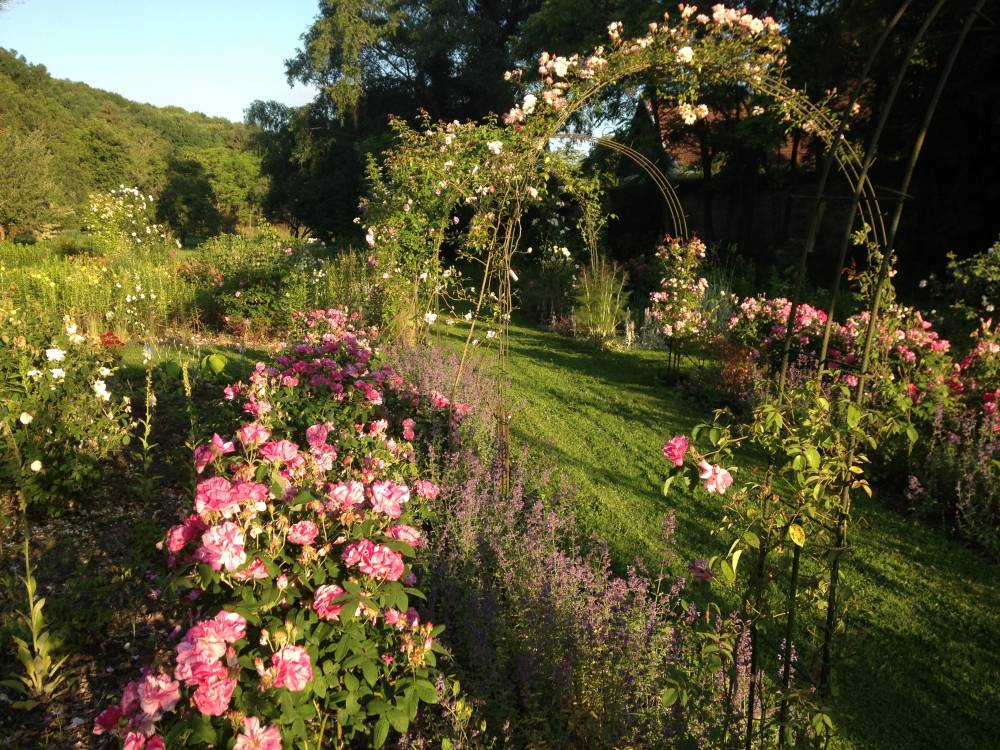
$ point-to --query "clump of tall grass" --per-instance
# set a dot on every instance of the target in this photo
(601, 307)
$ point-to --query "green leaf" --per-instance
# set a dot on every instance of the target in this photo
(727, 572)
(426, 691)
(853, 416)
(812, 456)
(398, 718)
(669, 697)
(381, 732)
(797, 534)
(370, 672)
(666, 485)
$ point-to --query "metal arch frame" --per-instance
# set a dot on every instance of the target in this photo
(649, 167)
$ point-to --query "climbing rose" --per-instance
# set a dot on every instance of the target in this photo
(292, 668)
(215, 496)
(316, 435)
(256, 737)
(230, 626)
(675, 448)
(717, 479)
(408, 425)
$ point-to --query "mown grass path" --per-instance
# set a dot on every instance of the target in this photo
(921, 657)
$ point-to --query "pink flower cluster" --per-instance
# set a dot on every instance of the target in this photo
(268, 510)
(375, 560)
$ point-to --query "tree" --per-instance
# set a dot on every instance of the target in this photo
(188, 202)
(30, 199)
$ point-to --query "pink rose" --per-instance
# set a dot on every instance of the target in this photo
(675, 448)
(303, 532)
(222, 447)
(178, 537)
(717, 479)
(213, 695)
(405, 533)
(256, 737)
(155, 743)
(323, 602)
(279, 451)
(357, 551)
(346, 494)
(252, 434)
(255, 571)
(222, 547)
(408, 425)
(387, 497)
(250, 492)
(203, 456)
(383, 563)
(427, 489)
(134, 741)
(158, 693)
(316, 435)
(230, 626)
(107, 720)
(293, 670)
(215, 496)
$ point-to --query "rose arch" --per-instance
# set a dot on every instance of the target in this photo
(470, 184)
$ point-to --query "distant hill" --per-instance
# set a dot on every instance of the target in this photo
(100, 140)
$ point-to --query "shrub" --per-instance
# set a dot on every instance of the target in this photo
(123, 221)
(301, 559)
(256, 284)
(59, 414)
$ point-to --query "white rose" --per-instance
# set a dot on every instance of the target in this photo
(36, 465)
(55, 354)
(25, 418)
(685, 55)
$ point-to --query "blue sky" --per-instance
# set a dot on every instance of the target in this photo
(211, 56)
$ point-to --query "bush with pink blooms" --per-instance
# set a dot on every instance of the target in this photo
(300, 559)
(678, 305)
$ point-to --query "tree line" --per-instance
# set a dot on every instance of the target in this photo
(371, 59)
(62, 141)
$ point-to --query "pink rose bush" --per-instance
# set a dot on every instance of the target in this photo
(679, 305)
(299, 554)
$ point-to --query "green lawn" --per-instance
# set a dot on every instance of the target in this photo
(921, 658)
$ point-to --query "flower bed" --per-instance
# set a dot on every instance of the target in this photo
(300, 561)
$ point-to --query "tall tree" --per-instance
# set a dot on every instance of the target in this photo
(30, 198)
